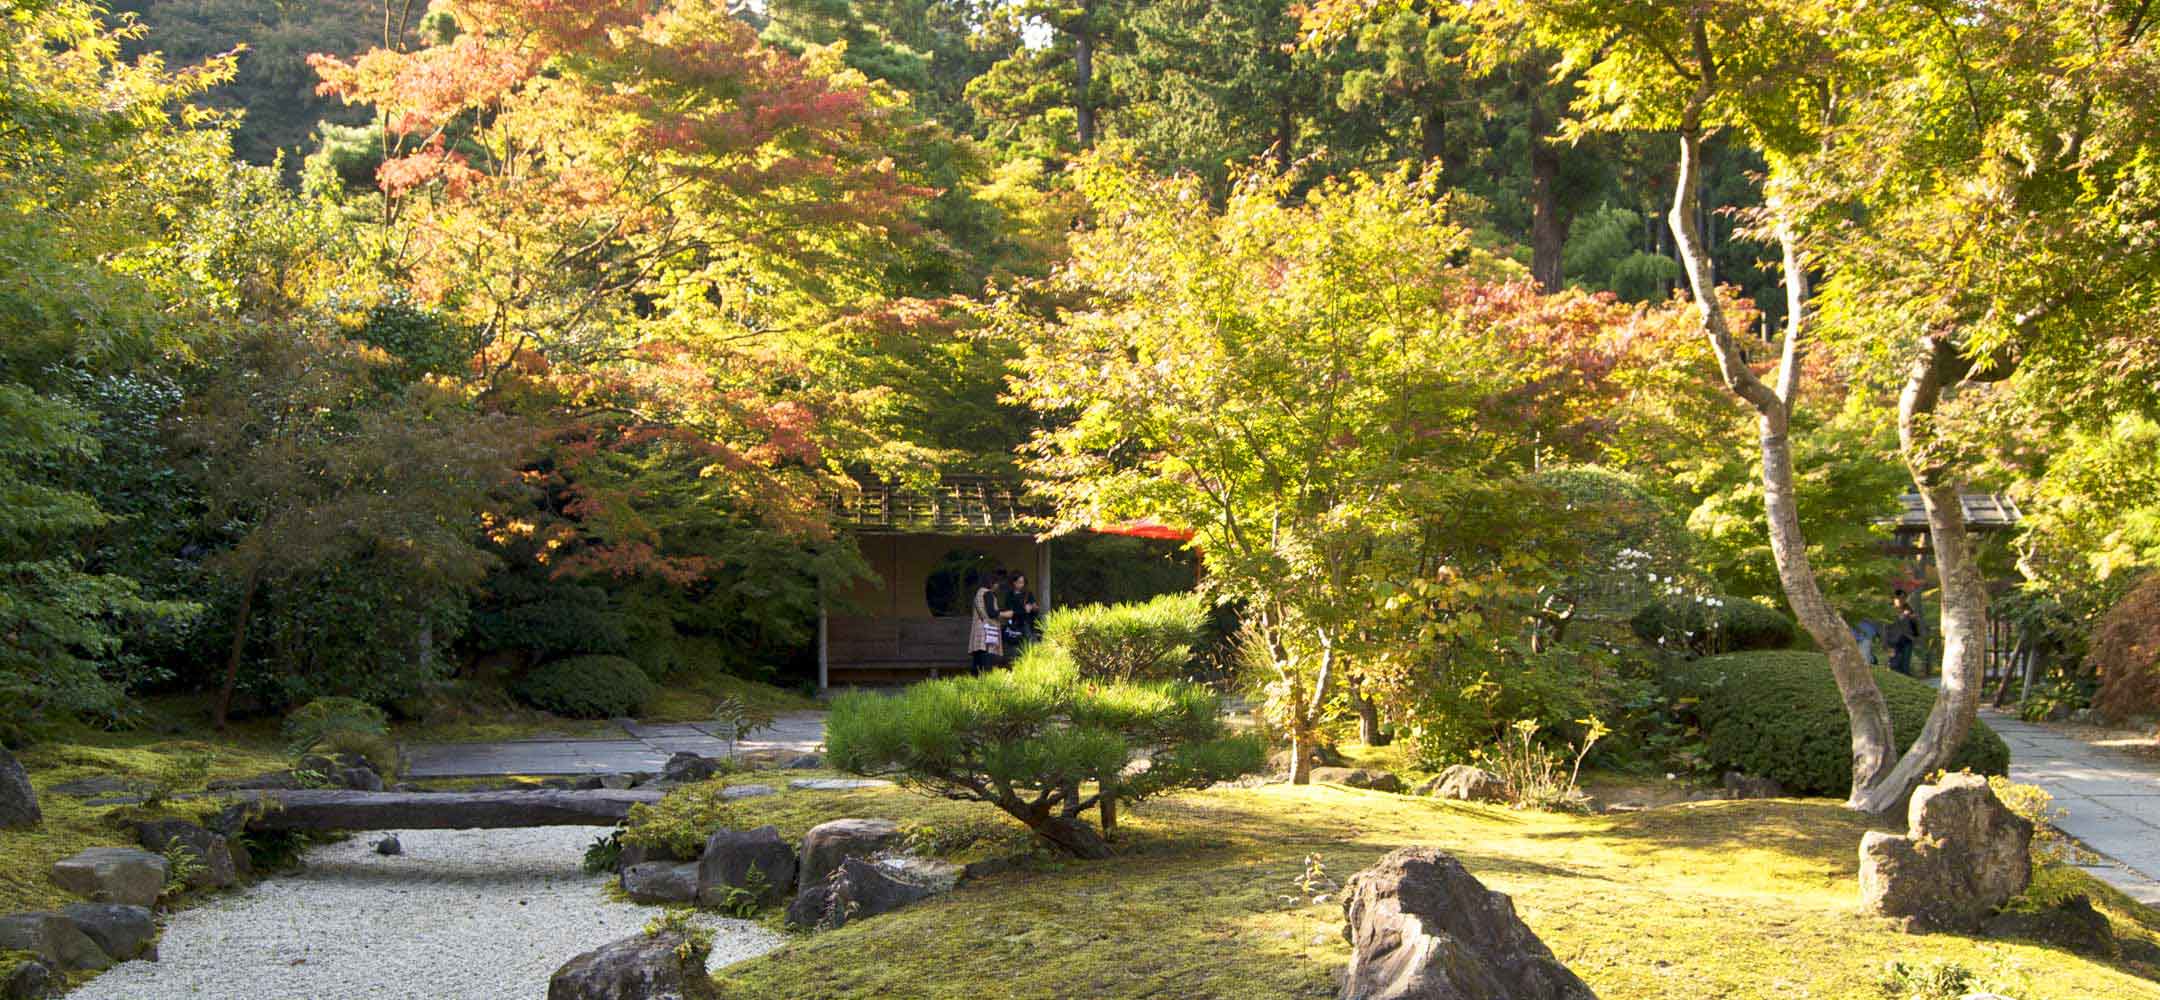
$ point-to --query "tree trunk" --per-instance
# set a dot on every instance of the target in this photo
(1308, 716)
(1432, 134)
(1368, 719)
(1963, 611)
(223, 709)
(1071, 835)
(1109, 815)
(1301, 749)
(1084, 75)
(1872, 746)
(1548, 229)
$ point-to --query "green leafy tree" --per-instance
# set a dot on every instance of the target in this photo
(1295, 385)
(103, 163)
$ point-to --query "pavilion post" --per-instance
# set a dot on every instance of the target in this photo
(1042, 574)
(824, 678)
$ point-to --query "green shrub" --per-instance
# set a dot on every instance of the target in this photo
(1465, 704)
(311, 724)
(1777, 714)
(681, 821)
(1708, 625)
(586, 687)
(1152, 640)
(1041, 744)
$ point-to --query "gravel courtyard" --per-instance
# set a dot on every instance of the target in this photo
(461, 915)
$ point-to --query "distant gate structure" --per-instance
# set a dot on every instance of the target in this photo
(1986, 514)
(909, 622)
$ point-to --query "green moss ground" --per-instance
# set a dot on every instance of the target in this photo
(27, 856)
(1717, 899)
(679, 700)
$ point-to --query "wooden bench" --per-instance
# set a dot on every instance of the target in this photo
(861, 650)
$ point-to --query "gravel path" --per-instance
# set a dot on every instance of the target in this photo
(462, 915)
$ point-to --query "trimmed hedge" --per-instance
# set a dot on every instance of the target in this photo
(1147, 641)
(1713, 625)
(1777, 714)
(587, 687)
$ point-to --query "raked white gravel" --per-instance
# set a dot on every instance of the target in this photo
(461, 915)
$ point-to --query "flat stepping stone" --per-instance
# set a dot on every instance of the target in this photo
(90, 788)
(836, 784)
(745, 791)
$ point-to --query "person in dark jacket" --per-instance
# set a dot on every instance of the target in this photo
(1903, 634)
(1020, 630)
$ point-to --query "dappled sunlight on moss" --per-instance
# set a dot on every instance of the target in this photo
(1727, 899)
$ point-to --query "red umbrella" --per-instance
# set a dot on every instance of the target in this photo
(1146, 527)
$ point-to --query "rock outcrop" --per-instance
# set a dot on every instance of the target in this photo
(1422, 928)
(661, 881)
(113, 875)
(213, 854)
(684, 768)
(1965, 854)
(754, 861)
(122, 932)
(1468, 784)
(1358, 777)
(827, 844)
(664, 966)
(859, 888)
(18, 801)
(53, 938)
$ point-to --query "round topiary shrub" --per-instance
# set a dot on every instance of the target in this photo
(1777, 714)
(1707, 625)
(586, 687)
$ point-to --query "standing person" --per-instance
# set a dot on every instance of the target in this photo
(1025, 612)
(1903, 633)
(986, 622)
(1866, 632)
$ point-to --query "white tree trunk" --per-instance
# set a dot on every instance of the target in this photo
(1963, 600)
(1872, 736)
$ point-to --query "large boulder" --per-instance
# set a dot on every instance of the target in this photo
(754, 861)
(122, 932)
(827, 844)
(1422, 928)
(860, 888)
(664, 966)
(1964, 856)
(661, 881)
(213, 854)
(18, 801)
(113, 875)
(686, 767)
(54, 938)
(1358, 777)
(1468, 784)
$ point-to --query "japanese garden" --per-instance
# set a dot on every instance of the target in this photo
(984, 499)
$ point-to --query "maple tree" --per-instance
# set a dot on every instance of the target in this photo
(1337, 399)
(635, 207)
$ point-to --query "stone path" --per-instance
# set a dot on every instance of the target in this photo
(2112, 800)
(645, 747)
